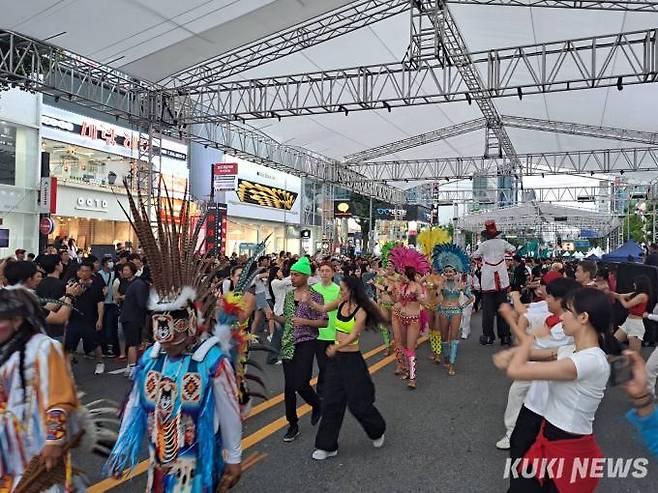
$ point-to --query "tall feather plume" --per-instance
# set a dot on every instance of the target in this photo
(250, 270)
(170, 246)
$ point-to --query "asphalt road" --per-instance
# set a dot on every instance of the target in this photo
(439, 437)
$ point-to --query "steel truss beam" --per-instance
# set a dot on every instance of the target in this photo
(622, 5)
(625, 134)
(304, 35)
(416, 140)
(450, 50)
(604, 161)
(583, 194)
(38, 66)
(582, 63)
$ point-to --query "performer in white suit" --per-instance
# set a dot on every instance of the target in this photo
(494, 282)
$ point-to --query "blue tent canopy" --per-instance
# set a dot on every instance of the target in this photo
(628, 252)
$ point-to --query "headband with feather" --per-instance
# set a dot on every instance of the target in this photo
(450, 255)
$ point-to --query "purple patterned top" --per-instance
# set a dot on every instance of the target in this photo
(303, 310)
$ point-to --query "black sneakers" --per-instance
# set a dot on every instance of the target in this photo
(291, 434)
(485, 341)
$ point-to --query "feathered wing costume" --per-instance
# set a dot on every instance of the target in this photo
(450, 255)
(184, 400)
(428, 238)
(403, 257)
(447, 255)
(386, 251)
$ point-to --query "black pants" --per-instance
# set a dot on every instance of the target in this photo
(490, 304)
(349, 385)
(297, 374)
(322, 359)
(524, 435)
(110, 342)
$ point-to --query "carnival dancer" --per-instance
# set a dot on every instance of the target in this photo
(636, 303)
(409, 295)
(494, 283)
(37, 393)
(450, 261)
(348, 382)
(184, 400)
(384, 283)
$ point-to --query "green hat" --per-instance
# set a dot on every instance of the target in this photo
(303, 266)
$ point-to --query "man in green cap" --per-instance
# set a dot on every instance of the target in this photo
(330, 291)
(298, 343)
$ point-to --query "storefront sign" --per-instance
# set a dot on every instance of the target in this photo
(91, 204)
(305, 234)
(106, 134)
(46, 226)
(342, 209)
(48, 195)
(390, 214)
(259, 194)
(224, 176)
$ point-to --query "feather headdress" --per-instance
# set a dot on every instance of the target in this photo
(450, 255)
(428, 238)
(386, 251)
(402, 257)
(181, 278)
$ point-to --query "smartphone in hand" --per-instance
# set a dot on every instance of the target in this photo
(620, 370)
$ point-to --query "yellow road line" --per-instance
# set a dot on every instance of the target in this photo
(254, 438)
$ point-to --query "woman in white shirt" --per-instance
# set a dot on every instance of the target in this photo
(576, 384)
(279, 287)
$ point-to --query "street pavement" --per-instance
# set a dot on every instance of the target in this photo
(439, 438)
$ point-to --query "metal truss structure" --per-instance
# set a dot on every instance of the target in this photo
(622, 5)
(570, 128)
(591, 162)
(37, 66)
(583, 194)
(533, 218)
(341, 21)
(573, 64)
(415, 141)
(200, 105)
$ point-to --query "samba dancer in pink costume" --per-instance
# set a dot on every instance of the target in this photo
(410, 295)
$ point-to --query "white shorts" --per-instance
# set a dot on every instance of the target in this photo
(633, 327)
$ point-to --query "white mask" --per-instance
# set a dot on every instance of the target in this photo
(110, 265)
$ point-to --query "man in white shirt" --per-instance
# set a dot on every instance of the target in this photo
(494, 282)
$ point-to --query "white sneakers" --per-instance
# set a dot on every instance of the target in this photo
(503, 443)
(100, 369)
(323, 454)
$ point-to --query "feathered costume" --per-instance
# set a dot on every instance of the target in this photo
(428, 238)
(444, 256)
(184, 405)
(403, 257)
(39, 405)
(233, 335)
(386, 251)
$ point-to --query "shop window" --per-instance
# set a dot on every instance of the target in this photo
(7, 154)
